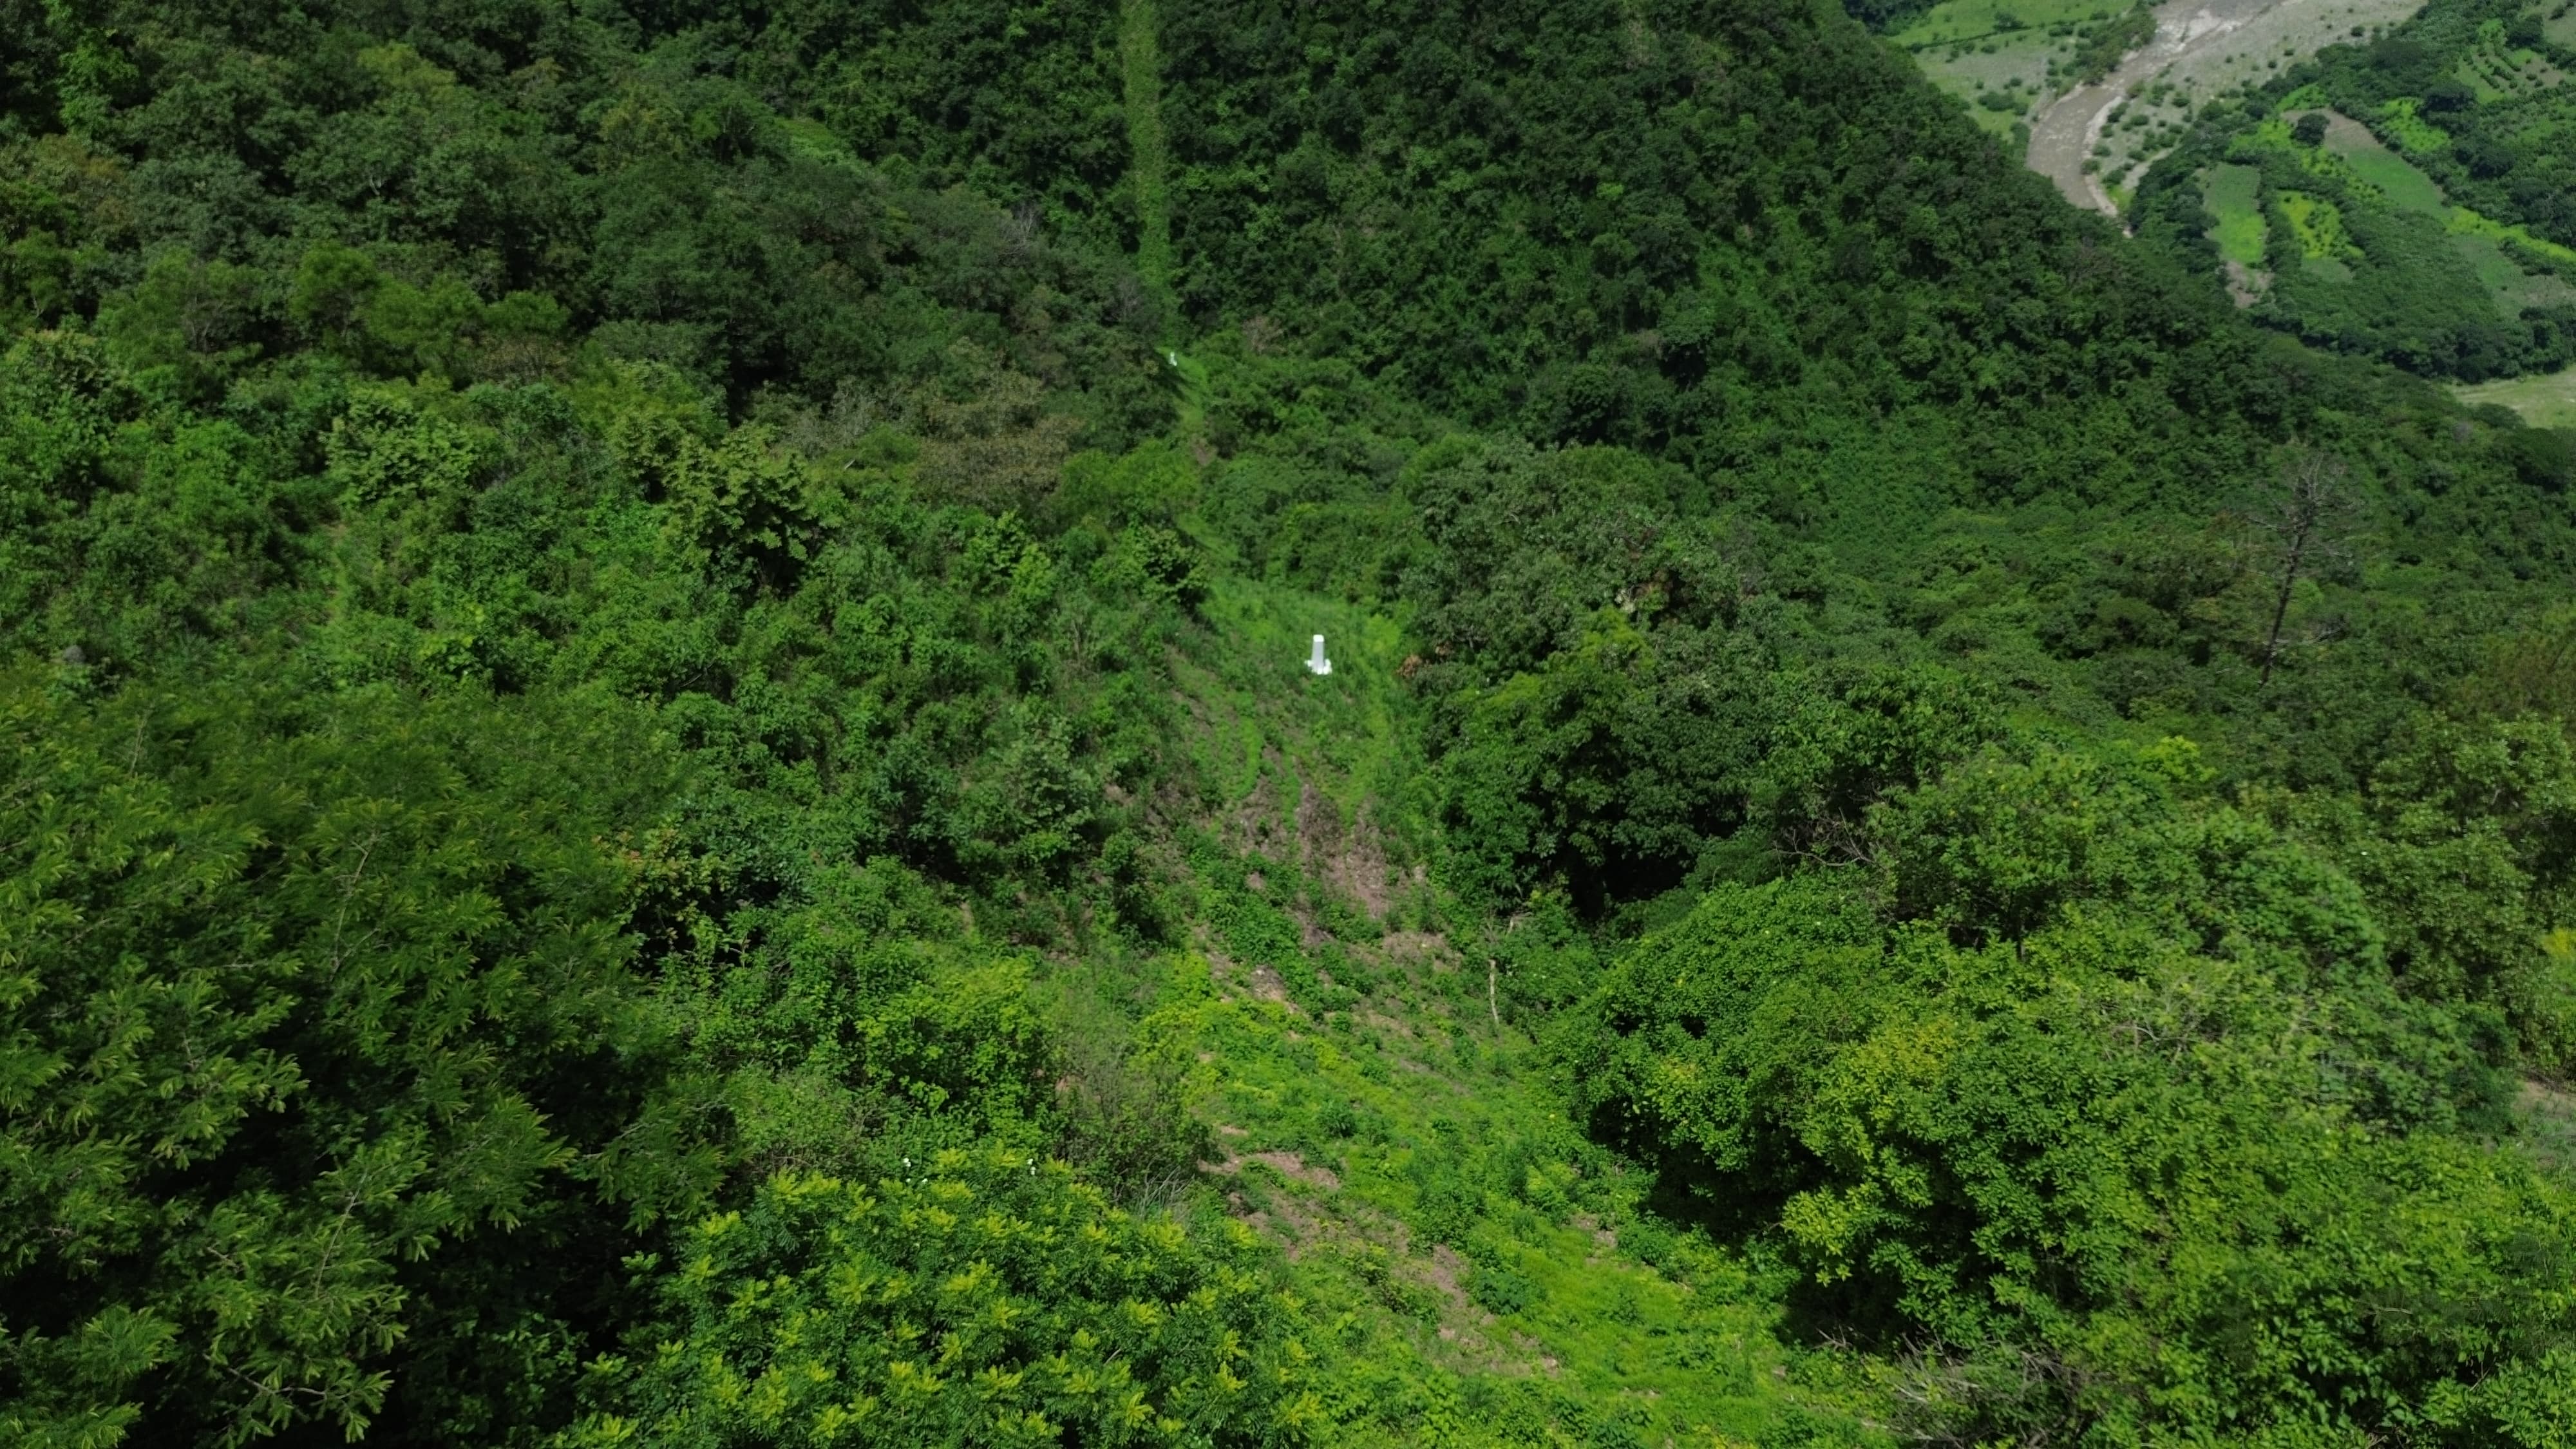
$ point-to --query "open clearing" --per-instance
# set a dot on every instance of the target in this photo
(2560, 24)
(2513, 288)
(2546, 400)
(2397, 178)
(2497, 71)
(2232, 194)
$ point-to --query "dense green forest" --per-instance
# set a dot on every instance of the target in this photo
(2411, 199)
(658, 785)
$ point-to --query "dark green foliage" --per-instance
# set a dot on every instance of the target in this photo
(2102, 46)
(320, 1036)
(1670, 259)
(1498, 1289)
(130, 529)
(2544, 457)
(1886, 14)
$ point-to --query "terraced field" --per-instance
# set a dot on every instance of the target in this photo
(2481, 241)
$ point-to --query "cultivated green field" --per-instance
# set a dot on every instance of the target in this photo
(2499, 71)
(2352, 153)
(2546, 400)
(2513, 288)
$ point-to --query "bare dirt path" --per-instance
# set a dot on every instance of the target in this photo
(2206, 45)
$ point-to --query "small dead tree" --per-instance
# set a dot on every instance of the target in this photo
(2311, 525)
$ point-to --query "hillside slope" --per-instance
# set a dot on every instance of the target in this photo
(659, 784)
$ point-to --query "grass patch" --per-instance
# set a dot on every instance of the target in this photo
(2545, 400)
(2512, 288)
(2234, 195)
(2393, 176)
(2497, 71)
(2559, 24)
(1343, 733)
(1486, 1273)
(2470, 223)
(1449, 1223)
(1969, 20)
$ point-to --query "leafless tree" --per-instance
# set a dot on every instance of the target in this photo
(2311, 523)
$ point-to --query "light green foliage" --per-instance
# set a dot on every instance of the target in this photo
(2404, 122)
(1452, 1245)
(988, 1299)
(1140, 65)
(2083, 1144)
(2318, 226)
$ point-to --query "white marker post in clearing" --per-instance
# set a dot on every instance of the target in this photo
(1316, 662)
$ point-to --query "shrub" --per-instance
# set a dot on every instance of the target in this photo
(989, 1300)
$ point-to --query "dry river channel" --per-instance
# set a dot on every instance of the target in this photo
(2194, 40)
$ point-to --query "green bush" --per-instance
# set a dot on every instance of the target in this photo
(985, 1299)
(2081, 1145)
(1499, 1288)
(319, 1035)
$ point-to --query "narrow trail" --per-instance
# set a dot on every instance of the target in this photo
(1140, 64)
(2067, 130)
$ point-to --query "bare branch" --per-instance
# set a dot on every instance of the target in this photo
(2311, 524)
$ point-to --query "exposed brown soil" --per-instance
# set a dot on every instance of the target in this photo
(1349, 858)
